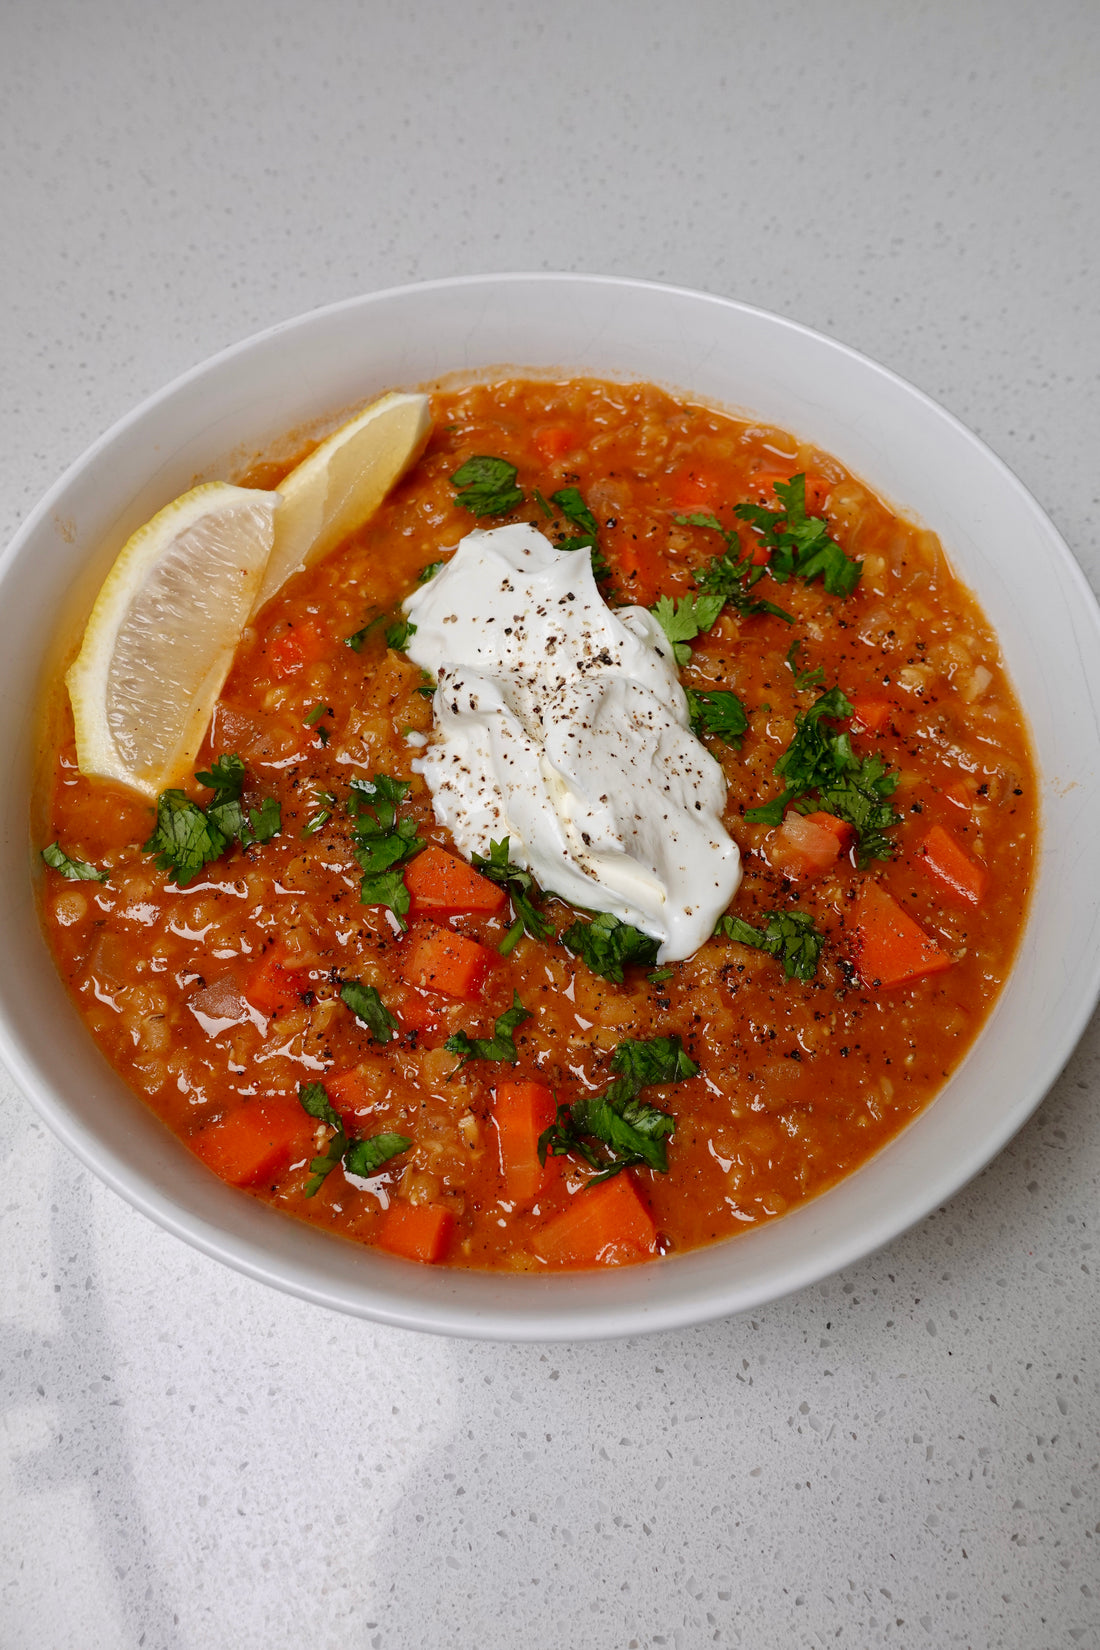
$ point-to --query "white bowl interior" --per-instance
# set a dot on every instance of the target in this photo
(916, 455)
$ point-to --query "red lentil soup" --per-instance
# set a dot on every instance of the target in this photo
(225, 1003)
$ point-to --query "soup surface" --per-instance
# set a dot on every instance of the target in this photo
(348, 1021)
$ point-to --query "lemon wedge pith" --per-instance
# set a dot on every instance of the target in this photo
(163, 631)
(342, 482)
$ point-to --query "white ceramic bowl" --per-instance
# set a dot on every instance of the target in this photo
(910, 450)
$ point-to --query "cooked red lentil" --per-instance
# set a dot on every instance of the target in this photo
(221, 1002)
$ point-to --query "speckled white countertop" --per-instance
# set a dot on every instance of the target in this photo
(907, 1454)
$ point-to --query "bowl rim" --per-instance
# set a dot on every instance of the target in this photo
(540, 1319)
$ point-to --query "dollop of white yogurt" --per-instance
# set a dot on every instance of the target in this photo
(561, 725)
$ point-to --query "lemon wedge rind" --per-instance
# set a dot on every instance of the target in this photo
(342, 483)
(161, 637)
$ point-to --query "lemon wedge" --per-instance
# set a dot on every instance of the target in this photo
(342, 482)
(163, 631)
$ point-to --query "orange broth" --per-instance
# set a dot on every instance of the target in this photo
(216, 1002)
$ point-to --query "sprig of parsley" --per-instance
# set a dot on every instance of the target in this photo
(361, 1156)
(367, 1005)
(188, 837)
(522, 890)
(800, 545)
(500, 1046)
(487, 486)
(719, 713)
(631, 1130)
(820, 759)
(383, 842)
(607, 945)
(77, 870)
(788, 936)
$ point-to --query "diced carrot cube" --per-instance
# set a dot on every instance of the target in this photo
(254, 1143)
(348, 1092)
(890, 948)
(416, 1013)
(943, 854)
(417, 1231)
(301, 645)
(553, 441)
(840, 828)
(808, 844)
(870, 714)
(817, 493)
(522, 1109)
(605, 1225)
(959, 796)
(697, 488)
(639, 569)
(274, 989)
(437, 959)
(441, 885)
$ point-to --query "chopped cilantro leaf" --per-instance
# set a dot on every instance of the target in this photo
(800, 545)
(264, 822)
(326, 801)
(660, 975)
(705, 518)
(379, 796)
(383, 842)
(225, 777)
(188, 837)
(803, 678)
(684, 619)
(313, 1098)
(361, 1157)
(732, 575)
(633, 1131)
(719, 713)
(861, 800)
(323, 1165)
(314, 716)
(657, 1060)
(570, 502)
(77, 870)
(607, 945)
(397, 634)
(367, 1005)
(386, 888)
(429, 572)
(522, 891)
(821, 759)
(500, 1046)
(788, 936)
(366, 1157)
(185, 839)
(357, 639)
(487, 486)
